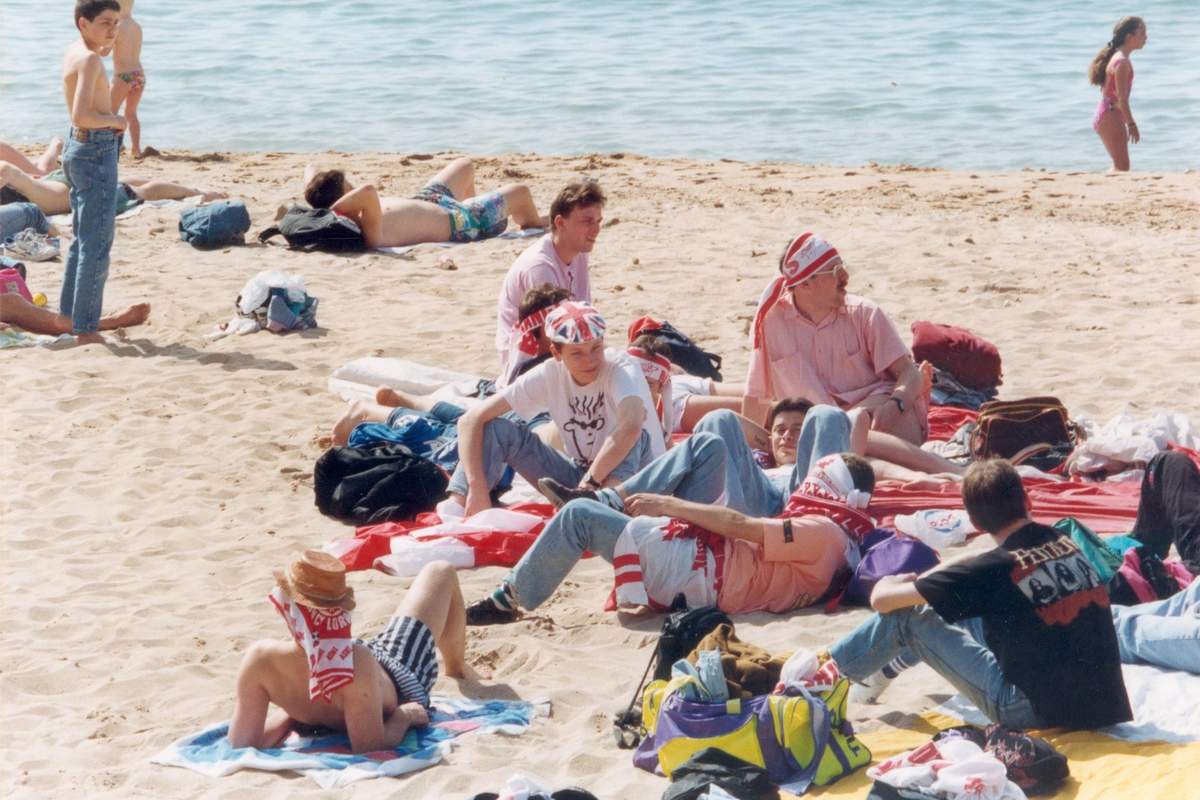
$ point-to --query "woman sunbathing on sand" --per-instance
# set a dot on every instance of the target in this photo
(51, 194)
(1112, 71)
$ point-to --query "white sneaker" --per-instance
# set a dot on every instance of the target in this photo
(867, 692)
(32, 246)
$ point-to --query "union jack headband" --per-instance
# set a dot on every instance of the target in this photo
(656, 368)
(807, 254)
(574, 323)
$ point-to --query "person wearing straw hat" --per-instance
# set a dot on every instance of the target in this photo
(811, 339)
(373, 690)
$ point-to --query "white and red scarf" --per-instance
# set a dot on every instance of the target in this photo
(324, 635)
(828, 491)
(698, 579)
(804, 257)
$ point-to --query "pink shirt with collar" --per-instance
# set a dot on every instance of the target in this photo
(839, 361)
(537, 265)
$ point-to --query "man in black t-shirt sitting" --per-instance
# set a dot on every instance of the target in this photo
(1023, 630)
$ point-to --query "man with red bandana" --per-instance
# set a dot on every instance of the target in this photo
(811, 339)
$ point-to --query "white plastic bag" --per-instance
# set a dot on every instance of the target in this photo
(258, 289)
(937, 527)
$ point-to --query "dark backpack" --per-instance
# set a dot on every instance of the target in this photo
(310, 229)
(685, 353)
(681, 632)
(383, 482)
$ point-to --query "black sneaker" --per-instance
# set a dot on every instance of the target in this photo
(486, 612)
(560, 495)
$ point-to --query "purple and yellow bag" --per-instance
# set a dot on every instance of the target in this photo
(799, 740)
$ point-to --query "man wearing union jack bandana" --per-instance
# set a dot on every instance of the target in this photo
(599, 402)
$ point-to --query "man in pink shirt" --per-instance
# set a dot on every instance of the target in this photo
(813, 340)
(559, 258)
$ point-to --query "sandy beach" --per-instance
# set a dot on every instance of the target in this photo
(156, 482)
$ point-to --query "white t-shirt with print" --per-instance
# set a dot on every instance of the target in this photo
(585, 415)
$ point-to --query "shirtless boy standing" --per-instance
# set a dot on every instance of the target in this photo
(90, 164)
(446, 209)
(130, 79)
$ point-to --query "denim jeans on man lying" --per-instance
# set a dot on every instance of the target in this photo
(514, 444)
(16, 217)
(91, 170)
(1165, 633)
(686, 472)
(956, 652)
(580, 525)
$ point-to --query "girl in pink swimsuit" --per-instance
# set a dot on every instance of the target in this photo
(1112, 71)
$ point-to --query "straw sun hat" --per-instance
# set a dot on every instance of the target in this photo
(318, 580)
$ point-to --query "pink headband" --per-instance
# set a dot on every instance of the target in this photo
(656, 368)
(805, 256)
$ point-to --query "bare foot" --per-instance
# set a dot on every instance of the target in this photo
(636, 611)
(89, 338)
(208, 197)
(470, 673)
(387, 396)
(49, 159)
(342, 429)
(134, 315)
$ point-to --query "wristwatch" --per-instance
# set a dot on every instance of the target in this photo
(899, 402)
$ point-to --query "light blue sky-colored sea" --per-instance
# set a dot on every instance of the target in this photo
(992, 84)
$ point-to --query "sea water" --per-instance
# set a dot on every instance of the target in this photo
(993, 84)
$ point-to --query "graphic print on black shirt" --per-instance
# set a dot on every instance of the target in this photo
(1046, 619)
(1058, 580)
(587, 422)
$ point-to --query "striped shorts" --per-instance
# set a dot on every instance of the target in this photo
(405, 650)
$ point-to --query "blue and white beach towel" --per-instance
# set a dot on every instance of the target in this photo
(327, 759)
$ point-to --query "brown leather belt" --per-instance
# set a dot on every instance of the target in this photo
(88, 134)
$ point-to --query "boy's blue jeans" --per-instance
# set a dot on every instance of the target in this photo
(688, 470)
(1165, 633)
(956, 652)
(91, 170)
(16, 217)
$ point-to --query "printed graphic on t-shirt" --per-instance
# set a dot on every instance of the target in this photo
(586, 423)
(1058, 580)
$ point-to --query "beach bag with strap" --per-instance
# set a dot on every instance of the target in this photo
(1144, 577)
(800, 740)
(681, 632)
(1012, 428)
(310, 229)
(685, 353)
